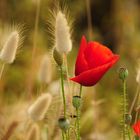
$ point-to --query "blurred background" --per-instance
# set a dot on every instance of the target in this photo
(114, 23)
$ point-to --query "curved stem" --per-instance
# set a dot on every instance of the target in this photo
(36, 29)
(63, 91)
(2, 69)
(31, 71)
(134, 100)
(88, 4)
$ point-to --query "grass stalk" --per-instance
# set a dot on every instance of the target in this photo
(2, 70)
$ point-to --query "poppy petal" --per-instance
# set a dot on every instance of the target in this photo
(97, 54)
(81, 63)
(136, 128)
(91, 77)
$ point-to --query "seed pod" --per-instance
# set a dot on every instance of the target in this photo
(39, 108)
(57, 57)
(9, 49)
(128, 118)
(123, 73)
(62, 34)
(76, 101)
(64, 124)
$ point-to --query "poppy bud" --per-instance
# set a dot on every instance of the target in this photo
(128, 118)
(64, 124)
(76, 101)
(123, 73)
(57, 57)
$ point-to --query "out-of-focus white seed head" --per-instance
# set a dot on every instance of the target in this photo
(138, 76)
(62, 34)
(9, 49)
(138, 72)
(45, 71)
(33, 133)
(39, 108)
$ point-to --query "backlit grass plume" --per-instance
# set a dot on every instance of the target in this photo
(62, 34)
(12, 40)
(33, 133)
(8, 52)
(45, 74)
(39, 108)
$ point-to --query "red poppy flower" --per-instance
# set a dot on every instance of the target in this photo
(93, 61)
(136, 128)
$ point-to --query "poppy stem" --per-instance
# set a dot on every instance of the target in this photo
(78, 113)
(124, 108)
(80, 91)
(63, 91)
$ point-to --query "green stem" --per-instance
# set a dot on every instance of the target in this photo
(78, 113)
(129, 133)
(63, 135)
(78, 123)
(124, 108)
(80, 91)
(63, 91)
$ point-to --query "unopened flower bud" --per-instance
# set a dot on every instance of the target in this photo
(57, 57)
(128, 118)
(76, 101)
(64, 124)
(123, 73)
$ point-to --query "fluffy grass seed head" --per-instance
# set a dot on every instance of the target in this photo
(39, 108)
(63, 40)
(138, 73)
(33, 133)
(45, 75)
(11, 41)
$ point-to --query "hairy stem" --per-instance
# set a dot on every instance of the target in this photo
(78, 114)
(63, 91)
(124, 109)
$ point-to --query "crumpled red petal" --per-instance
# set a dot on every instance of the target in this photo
(91, 77)
(136, 128)
(97, 54)
(81, 61)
